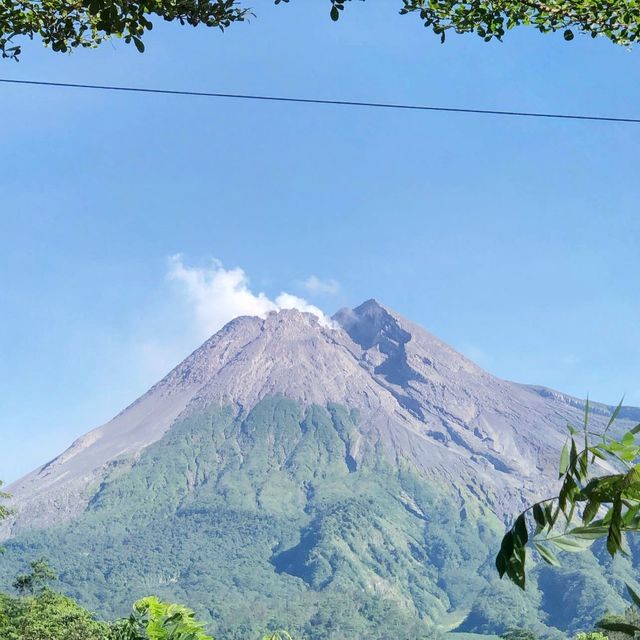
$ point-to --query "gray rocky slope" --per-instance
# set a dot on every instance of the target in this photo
(428, 405)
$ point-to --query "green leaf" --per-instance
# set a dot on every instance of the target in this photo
(568, 493)
(590, 511)
(546, 555)
(568, 35)
(589, 533)
(520, 531)
(620, 627)
(614, 415)
(515, 568)
(634, 596)
(564, 459)
(335, 14)
(506, 548)
(538, 516)
(614, 539)
(569, 544)
(603, 489)
(501, 564)
(587, 406)
(574, 454)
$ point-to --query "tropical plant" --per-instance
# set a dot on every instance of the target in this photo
(67, 24)
(599, 498)
(153, 619)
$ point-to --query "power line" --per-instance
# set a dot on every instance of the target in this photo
(342, 103)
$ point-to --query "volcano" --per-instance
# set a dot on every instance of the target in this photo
(348, 478)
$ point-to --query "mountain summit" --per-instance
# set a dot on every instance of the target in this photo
(323, 459)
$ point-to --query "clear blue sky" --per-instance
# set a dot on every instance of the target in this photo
(514, 240)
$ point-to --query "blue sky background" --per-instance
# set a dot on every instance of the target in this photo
(514, 240)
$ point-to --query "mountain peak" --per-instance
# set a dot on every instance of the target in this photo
(371, 323)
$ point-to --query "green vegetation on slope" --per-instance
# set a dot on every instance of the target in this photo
(266, 521)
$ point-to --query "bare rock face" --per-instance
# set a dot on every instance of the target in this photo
(428, 406)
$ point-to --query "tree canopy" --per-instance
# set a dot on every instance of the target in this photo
(66, 24)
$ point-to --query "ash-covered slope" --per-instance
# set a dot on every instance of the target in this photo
(424, 402)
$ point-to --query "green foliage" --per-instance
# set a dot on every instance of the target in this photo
(47, 616)
(153, 619)
(590, 635)
(617, 21)
(66, 24)
(590, 504)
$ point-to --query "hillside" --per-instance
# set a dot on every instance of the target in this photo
(348, 480)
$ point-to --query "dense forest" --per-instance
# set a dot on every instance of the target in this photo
(38, 612)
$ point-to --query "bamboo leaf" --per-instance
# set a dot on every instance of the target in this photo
(564, 460)
(614, 415)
